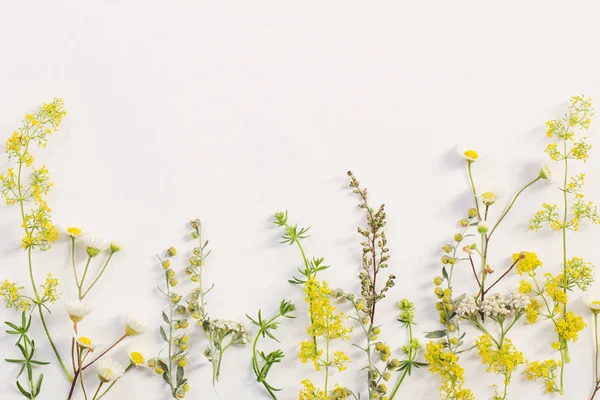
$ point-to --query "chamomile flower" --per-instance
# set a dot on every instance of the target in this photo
(488, 197)
(134, 325)
(592, 301)
(72, 230)
(93, 245)
(136, 355)
(84, 341)
(545, 172)
(482, 227)
(115, 246)
(77, 310)
(468, 152)
(109, 370)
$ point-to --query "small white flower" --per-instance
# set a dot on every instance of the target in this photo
(466, 307)
(592, 301)
(94, 245)
(109, 370)
(519, 301)
(546, 172)
(134, 325)
(495, 305)
(77, 310)
(136, 355)
(84, 341)
(467, 151)
(72, 230)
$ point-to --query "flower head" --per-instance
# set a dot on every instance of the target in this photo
(84, 341)
(72, 230)
(115, 246)
(466, 307)
(134, 325)
(77, 310)
(468, 152)
(136, 355)
(109, 370)
(518, 301)
(488, 197)
(592, 301)
(93, 245)
(495, 305)
(482, 227)
(546, 172)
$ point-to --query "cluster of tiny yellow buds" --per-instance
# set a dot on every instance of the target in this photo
(393, 364)
(180, 359)
(526, 262)
(383, 350)
(171, 251)
(49, 286)
(173, 282)
(152, 362)
(175, 298)
(196, 261)
(170, 273)
(181, 324)
(12, 296)
(180, 309)
(181, 342)
(438, 280)
(166, 264)
(448, 248)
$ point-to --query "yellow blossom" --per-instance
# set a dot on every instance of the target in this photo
(569, 326)
(545, 370)
(446, 365)
(526, 261)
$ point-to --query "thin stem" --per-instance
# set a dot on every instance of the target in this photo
(503, 275)
(473, 189)
(474, 273)
(327, 360)
(105, 351)
(87, 265)
(411, 355)
(73, 261)
(506, 211)
(98, 276)
(314, 338)
(114, 382)
(80, 369)
(98, 390)
(596, 344)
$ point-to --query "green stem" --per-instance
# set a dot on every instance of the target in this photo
(326, 362)
(73, 261)
(80, 286)
(98, 276)
(114, 382)
(314, 338)
(80, 351)
(473, 188)
(98, 390)
(596, 344)
(410, 359)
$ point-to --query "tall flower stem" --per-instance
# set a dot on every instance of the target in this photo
(97, 276)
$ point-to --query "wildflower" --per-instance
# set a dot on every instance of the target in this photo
(77, 310)
(446, 365)
(84, 341)
(569, 326)
(488, 197)
(73, 231)
(134, 325)
(544, 370)
(93, 245)
(109, 370)
(171, 251)
(50, 293)
(503, 360)
(467, 307)
(468, 152)
(496, 306)
(545, 173)
(12, 296)
(136, 355)
(526, 261)
(592, 301)
(518, 301)
(114, 247)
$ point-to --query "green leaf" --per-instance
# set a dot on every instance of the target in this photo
(12, 325)
(23, 391)
(436, 334)
(179, 375)
(11, 360)
(166, 318)
(39, 362)
(445, 273)
(38, 387)
(163, 334)
(12, 332)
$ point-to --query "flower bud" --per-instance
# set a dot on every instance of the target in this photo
(438, 280)
(482, 227)
(171, 251)
(472, 212)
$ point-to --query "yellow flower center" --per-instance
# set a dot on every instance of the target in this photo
(74, 231)
(471, 155)
(137, 358)
(596, 302)
(84, 341)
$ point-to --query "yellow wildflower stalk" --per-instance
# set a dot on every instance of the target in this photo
(565, 146)
(39, 231)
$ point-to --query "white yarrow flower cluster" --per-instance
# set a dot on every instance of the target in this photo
(466, 307)
(495, 305)
(224, 327)
(519, 301)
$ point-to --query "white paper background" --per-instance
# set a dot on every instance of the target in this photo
(230, 112)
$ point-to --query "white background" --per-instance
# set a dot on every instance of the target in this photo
(231, 112)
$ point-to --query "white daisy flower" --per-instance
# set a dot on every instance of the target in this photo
(84, 341)
(134, 325)
(94, 245)
(77, 310)
(136, 354)
(592, 301)
(72, 230)
(109, 370)
(468, 152)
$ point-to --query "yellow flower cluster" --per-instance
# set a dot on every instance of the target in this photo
(502, 361)
(446, 365)
(544, 370)
(49, 287)
(553, 288)
(579, 273)
(311, 392)
(340, 360)
(309, 352)
(527, 262)
(569, 326)
(326, 321)
(12, 296)
(533, 311)
(547, 215)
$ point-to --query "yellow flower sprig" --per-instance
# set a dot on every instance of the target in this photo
(565, 147)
